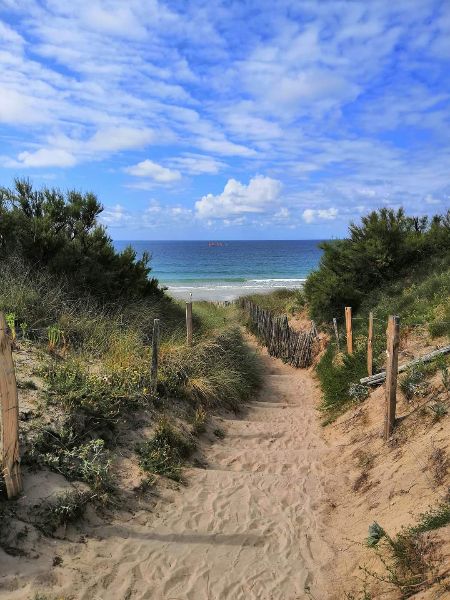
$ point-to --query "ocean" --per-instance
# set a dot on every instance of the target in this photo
(226, 270)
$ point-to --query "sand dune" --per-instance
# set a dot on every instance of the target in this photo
(249, 526)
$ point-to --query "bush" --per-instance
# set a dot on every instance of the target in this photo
(165, 451)
(377, 251)
(88, 462)
(340, 380)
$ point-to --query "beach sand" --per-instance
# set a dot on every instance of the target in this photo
(220, 292)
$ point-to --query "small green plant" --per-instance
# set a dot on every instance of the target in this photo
(165, 451)
(65, 508)
(199, 424)
(28, 384)
(365, 460)
(219, 433)
(55, 336)
(438, 410)
(24, 329)
(358, 392)
(87, 462)
(11, 322)
(413, 383)
(376, 533)
(406, 557)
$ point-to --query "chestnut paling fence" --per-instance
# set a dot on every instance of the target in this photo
(282, 341)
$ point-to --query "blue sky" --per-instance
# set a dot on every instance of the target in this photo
(229, 120)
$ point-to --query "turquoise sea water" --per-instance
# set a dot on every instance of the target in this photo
(228, 270)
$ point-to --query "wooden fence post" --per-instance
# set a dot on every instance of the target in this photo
(9, 416)
(189, 323)
(393, 340)
(155, 353)
(369, 346)
(336, 333)
(348, 327)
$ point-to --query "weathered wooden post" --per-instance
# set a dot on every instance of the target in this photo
(393, 340)
(336, 333)
(189, 323)
(369, 346)
(9, 416)
(155, 353)
(348, 327)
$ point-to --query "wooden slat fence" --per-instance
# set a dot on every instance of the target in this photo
(293, 347)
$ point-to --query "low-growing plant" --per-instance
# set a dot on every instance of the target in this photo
(165, 451)
(103, 399)
(65, 508)
(24, 329)
(11, 322)
(406, 557)
(199, 424)
(219, 433)
(438, 411)
(413, 382)
(55, 336)
(358, 392)
(27, 384)
(336, 378)
(60, 452)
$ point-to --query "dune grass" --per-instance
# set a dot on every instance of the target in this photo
(280, 302)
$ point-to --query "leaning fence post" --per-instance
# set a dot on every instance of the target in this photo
(393, 340)
(369, 346)
(9, 416)
(336, 333)
(155, 353)
(189, 323)
(348, 326)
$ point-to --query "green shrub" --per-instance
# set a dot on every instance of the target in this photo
(337, 377)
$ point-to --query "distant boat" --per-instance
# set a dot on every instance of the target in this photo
(214, 244)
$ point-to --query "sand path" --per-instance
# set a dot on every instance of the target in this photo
(249, 526)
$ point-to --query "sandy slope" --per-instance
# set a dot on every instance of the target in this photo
(248, 526)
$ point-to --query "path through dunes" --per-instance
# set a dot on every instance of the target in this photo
(246, 527)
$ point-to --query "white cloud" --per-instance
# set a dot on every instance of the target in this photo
(115, 216)
(45, 157)
(328, 214)
(196, 164)
(151, 170)
(113, 139)
(260, 194)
